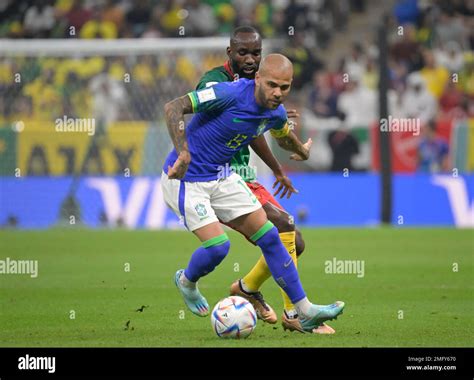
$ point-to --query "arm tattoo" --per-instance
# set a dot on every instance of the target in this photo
(174, 116)
(287, 143)
(292, 144)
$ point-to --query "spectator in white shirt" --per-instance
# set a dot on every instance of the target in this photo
(39, 20)
(358, 104)
(108, 98)
(417, 102)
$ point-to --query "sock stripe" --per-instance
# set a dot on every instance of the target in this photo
(262, 231)
(218, 240)
(181, 199)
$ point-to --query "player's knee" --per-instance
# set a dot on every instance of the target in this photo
(220, 251)
(271, 239)
(300, 243)
(280, 219)
(284, 223)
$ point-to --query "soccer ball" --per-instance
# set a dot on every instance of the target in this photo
(233, 317)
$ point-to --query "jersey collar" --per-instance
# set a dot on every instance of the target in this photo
(228, 69)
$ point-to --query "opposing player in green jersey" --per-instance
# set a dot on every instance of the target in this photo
(244, 55)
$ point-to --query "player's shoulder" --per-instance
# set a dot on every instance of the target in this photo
(280, 113)
(278, 118)
(216, 75)
(219, 95)
(245, 88)
(235, 87)
(234, 93)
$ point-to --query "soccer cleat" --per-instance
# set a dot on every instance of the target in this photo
(264, 310)
(322, 313)
(324, 329)
(293, 324)
(192, 297)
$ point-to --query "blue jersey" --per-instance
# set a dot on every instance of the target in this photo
(432, 153)
(227, 119)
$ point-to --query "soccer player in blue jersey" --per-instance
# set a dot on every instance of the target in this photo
(197, 186)
(244, 54)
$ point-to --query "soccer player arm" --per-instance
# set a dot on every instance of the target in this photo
(174, 116)
(288, 140)
(202, 100)
(206, 100)
(260, 146)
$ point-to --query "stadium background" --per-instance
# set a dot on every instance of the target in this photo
(118, 64)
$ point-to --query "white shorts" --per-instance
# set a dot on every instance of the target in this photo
(201, 203)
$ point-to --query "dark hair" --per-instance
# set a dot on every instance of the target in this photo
(242, 29)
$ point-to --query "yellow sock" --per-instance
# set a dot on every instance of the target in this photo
(260, 272)
(289, 241)
(257, 276)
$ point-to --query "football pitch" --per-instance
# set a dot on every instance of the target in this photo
(109, 288)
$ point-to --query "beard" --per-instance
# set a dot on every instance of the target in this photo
(263, 100)
(240, 72)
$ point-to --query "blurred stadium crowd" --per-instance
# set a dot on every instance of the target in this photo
(56, 86)
(431, 61)
(162, 18)
(431, 78)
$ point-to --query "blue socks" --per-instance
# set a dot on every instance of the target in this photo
(207, 257)
(213, 251)
(279, 261)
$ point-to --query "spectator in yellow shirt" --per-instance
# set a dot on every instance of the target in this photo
(435, 76)
(96, 27)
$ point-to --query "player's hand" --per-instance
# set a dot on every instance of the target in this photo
(180, 166)
(292, 114)
(306, 147)
(285, 185)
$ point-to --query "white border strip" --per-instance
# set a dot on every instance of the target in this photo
(79, 47)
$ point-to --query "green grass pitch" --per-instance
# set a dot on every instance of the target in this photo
(417, 289)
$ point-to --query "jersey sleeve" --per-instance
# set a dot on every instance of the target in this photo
(215, 98)
(281, 129)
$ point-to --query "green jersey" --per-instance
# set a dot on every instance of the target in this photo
(240, 162)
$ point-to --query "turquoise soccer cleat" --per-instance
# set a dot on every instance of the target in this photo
(192, 297)
(323, 313)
